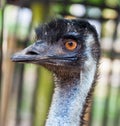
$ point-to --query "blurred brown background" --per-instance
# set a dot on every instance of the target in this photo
(26, 89)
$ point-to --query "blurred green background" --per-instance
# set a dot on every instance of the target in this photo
(26, 89)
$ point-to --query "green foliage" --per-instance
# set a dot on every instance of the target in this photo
(96, 2)
(112, 2)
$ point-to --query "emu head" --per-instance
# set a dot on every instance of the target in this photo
(63, 46)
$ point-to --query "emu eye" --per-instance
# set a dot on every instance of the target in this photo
(70, 44)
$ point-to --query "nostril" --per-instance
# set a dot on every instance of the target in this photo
(32, 53)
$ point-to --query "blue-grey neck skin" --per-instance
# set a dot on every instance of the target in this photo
(69, 99)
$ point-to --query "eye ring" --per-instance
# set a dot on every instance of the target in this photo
(70, 44)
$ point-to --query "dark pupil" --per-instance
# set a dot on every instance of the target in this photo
(70, 43)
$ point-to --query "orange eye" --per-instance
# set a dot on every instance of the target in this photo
(71, 45)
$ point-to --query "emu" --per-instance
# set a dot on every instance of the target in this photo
(69, 48)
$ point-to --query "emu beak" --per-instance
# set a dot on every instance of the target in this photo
(40, 53)
(33, 54)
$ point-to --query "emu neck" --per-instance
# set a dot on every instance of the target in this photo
(69, 99)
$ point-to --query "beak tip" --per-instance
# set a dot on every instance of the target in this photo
(13, 58)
